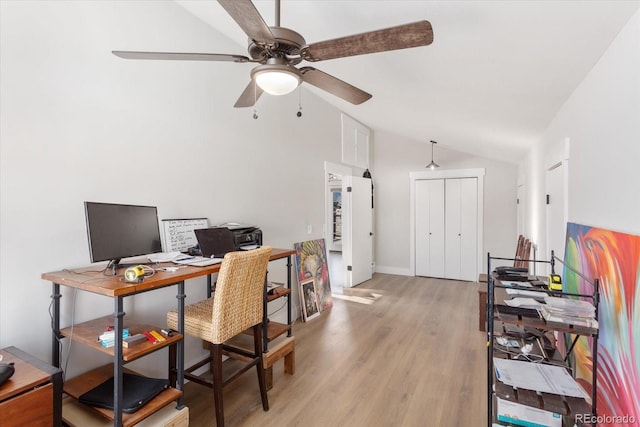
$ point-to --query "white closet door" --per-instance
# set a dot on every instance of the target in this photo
(429, 232)
(452, 228)
(468, 228)
(461, 228)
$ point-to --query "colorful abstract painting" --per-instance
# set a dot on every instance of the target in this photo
(614, 259)
(311, 262)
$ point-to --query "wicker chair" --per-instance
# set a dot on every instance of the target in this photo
(237, 305)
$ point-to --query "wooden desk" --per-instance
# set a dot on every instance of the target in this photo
(92, 279)
(33, 395)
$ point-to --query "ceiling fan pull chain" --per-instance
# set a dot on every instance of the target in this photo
(299, 113)
(255, 101)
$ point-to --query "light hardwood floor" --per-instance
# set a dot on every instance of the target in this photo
(413, 358)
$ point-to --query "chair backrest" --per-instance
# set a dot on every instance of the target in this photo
(238, 298)
(519, 249)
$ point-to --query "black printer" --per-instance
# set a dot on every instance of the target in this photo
(244, 235)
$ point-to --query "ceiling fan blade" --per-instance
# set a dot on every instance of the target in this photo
(250, 95)
(334, 85)
(401, 37)
(180, 56)
(250, 20)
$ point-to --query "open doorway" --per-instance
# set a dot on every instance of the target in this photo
(333, 222)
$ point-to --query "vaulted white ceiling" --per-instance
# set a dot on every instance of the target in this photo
(494, 77)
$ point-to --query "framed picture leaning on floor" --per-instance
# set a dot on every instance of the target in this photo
(309, 299)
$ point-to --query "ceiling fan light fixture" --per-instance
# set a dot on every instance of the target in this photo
(276, 77)
(433, 164)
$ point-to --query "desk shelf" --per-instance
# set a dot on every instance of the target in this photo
(87, 333)
(278, 292)
(81, 384)
(275, 329)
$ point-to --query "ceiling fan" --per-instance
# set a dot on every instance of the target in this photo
(278, 50)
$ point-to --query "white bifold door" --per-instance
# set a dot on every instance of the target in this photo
(430, 228)
(447, 228)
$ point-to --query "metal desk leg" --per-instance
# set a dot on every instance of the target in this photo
(180, 356)
(117, 365)
(55, 333)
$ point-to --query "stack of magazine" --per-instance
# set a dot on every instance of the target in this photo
(567, 311)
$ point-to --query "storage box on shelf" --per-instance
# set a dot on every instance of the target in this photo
(76, 414)
(548, 405)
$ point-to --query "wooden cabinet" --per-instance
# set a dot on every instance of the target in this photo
(355, 143)
(33, 395)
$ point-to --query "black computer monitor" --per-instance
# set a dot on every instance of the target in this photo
(118, 231)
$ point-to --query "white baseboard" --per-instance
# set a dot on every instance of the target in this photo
(393, 270)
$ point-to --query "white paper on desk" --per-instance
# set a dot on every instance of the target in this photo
(523, 303)
(522, 292)
(249, 247)
(537, 377)
(518, 284)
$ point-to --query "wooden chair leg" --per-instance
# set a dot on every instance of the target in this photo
(290, 362)
(268, 376)
(216, 366)
(257, 344)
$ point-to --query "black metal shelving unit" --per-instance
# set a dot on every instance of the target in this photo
(568, 407)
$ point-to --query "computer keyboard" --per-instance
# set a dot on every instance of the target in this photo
(164, 256)
(198, 261)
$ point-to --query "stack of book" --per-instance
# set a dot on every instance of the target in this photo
(107, 339)
(567, 311)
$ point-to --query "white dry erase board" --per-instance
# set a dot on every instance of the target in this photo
(178, 235)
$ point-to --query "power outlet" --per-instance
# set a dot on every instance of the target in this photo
(309, 229)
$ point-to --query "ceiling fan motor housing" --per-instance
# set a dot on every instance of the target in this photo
(288, 45)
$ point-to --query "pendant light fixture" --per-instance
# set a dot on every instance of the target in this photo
(433, 164)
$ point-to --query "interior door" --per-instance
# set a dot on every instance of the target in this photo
(556, 223)
(520, 210)
(452, 233)
(461, 228)
(357, 230)
(468, 229)
(429, 231)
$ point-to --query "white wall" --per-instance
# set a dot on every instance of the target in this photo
(601, 119)
(78, 123)
(394, 157)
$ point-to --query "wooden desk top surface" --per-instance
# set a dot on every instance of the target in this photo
(26, 376)
(93, 279)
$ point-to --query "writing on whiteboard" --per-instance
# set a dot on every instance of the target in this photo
(178, 235)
